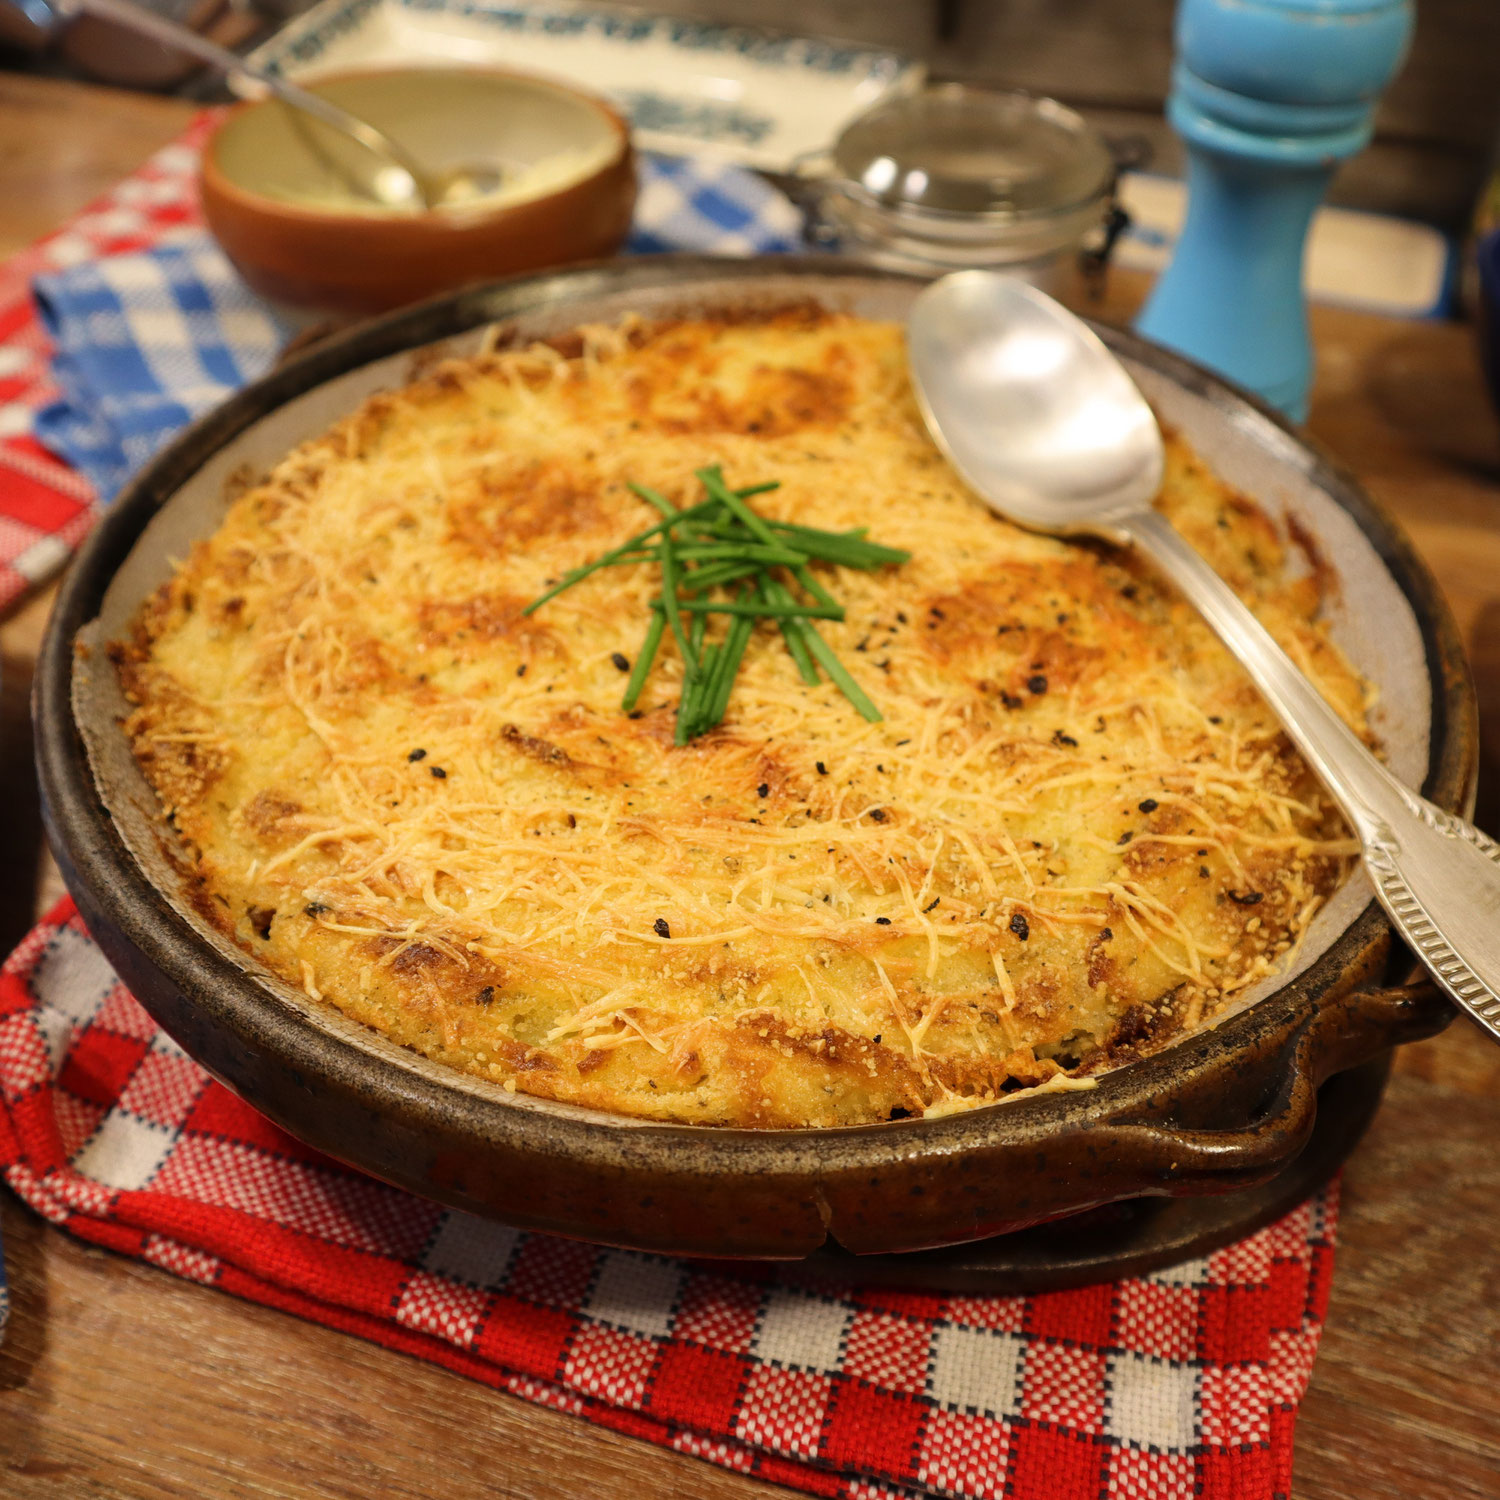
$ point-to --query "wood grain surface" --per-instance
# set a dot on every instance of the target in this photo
(119, 1382)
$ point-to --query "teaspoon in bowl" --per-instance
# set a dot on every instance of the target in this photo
(399, 181)
(1044, 424)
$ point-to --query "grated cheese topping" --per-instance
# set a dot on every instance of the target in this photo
(1077, 832)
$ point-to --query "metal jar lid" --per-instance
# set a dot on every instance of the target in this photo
(955, 175)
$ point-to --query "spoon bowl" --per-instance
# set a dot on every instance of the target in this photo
(462, 186)
(1030, 407)
(1045, 425)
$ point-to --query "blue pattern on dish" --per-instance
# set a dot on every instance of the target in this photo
(699, 36)
(763, 98)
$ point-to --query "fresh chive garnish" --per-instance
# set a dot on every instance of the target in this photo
(838, 676)
(643, 659)
(651, 497)
(803, 575)
(794, 634)
(692, 719)
(824, 655)
(619, 554)
(847, 547)
(669, 577)
(786, 557)
(713, 482)
(718, 543)
(717, 575)
(790, 610)
(850, 551)
(729, 666)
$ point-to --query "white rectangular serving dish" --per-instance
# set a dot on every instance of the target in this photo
(760, 98)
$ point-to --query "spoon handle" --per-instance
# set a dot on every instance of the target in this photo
(1437, 876)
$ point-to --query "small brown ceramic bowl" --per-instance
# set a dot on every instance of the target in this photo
(280, 189)
(1225, 1108)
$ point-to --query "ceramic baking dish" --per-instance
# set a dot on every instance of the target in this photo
(1230, 1106)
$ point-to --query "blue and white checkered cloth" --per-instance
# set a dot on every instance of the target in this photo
(146, 342)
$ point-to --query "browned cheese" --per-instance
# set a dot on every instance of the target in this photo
(1076, 832)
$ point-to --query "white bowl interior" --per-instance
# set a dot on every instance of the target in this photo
(543, 136)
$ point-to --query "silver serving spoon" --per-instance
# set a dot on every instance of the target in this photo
(1042, 422)
(398, 181)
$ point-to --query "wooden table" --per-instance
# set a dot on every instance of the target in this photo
(119, 1381)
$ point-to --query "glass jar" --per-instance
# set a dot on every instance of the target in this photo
(953, 177)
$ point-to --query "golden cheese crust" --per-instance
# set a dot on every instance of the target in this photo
(1076, 833)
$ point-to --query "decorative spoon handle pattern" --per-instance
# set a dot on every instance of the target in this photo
(1467, 864)
(1437, 876)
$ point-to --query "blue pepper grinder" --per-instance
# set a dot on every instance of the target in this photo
(1269, 97)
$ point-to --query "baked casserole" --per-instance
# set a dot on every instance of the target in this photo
(1074, 833)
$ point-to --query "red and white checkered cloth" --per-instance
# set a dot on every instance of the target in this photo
(1165, 1387)
(46, 509)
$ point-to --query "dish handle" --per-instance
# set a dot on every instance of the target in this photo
(1337, 1035)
